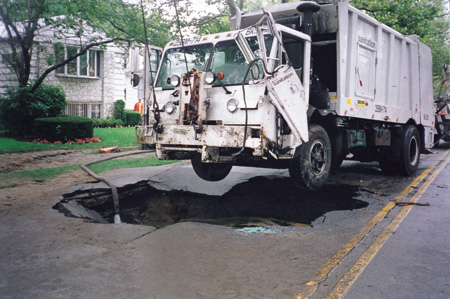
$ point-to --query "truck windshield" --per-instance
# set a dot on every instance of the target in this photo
(229, 60)
(174, 62)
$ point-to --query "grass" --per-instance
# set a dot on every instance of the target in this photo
(48, 173)
(121, 137)
(35, 174)
(127, 163)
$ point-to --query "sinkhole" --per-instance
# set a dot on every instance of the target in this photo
(260, 201)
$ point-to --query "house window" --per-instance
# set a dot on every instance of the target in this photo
(92, 110)
(86, 65)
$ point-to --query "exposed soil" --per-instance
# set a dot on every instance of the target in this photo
(48, 159)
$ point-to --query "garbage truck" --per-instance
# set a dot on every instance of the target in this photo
(301, 86)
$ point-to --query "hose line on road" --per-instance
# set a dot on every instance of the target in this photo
(115, 194)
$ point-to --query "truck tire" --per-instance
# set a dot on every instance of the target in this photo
(409, 151)
(211, 172)
(404, 154)
(310, 168)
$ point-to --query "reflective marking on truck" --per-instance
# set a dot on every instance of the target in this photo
(361, 104)
(349, 101)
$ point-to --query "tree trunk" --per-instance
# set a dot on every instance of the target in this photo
(241, 5)
(232, 7)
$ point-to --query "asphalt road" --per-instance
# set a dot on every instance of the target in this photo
(356, 242)
(415, 260)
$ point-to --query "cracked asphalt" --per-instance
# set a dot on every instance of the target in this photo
(44, 254)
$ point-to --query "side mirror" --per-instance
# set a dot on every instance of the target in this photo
(135, 80)
(255, 71)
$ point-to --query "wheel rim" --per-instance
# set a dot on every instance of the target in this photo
(318, 157)
(413, 151)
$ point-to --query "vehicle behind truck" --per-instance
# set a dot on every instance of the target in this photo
(298, 85)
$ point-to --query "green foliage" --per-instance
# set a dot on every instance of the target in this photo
(406, 16)
(64, 128)
(220, 24)
(90, 22)
(119, 111)
(106, 123)
(20, 107)
(121, 137)
(133, 117)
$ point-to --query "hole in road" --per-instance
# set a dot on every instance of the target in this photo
(257, 202)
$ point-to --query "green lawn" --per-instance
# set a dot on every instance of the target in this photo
(121, 137)
(7, 180)
(127, 163)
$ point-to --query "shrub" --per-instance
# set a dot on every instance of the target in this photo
(64, 128)
(119, 111)
(106, 123)
(19, 107)
(133, 117)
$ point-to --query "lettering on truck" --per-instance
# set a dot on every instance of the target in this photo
(366, 41)
(276, 82)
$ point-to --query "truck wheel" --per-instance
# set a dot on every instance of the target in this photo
(404, 154)
(311, 167)
(212, 172)
(410, 150)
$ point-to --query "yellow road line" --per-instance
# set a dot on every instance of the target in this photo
(331, 264)
(355, 271)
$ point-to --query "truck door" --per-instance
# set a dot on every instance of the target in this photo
(365, 72)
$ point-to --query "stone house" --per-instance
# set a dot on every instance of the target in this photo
(93, 81)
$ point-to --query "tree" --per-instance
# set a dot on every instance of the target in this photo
(90, 22)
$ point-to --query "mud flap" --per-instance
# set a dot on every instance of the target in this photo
(288, 96)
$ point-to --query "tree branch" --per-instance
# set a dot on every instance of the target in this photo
(118, 28)
(207, 21)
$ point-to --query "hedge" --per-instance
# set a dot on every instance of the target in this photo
(133, 117)
(119, 110)
(64, 128)
(106, 123)
(19, 107)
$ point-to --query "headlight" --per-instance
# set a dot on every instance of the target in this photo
(232, 105)
(174, 80)
(210, 77)
(170, 107)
